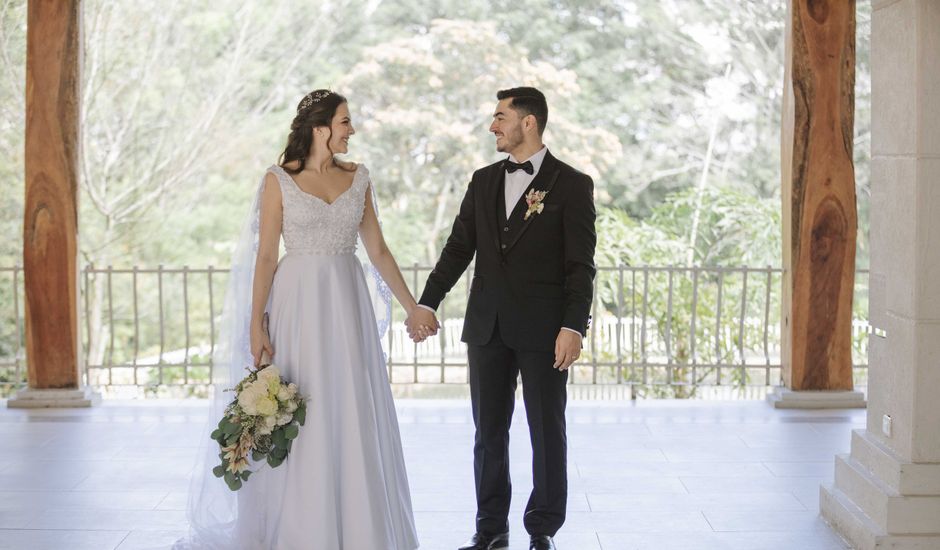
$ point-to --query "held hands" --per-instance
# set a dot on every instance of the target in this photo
(421, 324)
(567, 349)
(260, 342)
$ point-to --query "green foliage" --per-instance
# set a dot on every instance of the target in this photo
(291, 431)
(735, 228)
(733, 225)
(300, 415)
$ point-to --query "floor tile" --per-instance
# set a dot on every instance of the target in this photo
(86, 500)
(126, 520)
(58, 539)
(151, 539)
(787, 521)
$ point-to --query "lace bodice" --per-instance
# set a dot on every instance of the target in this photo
(313, 226)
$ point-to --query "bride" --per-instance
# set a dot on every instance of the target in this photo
(344, 485)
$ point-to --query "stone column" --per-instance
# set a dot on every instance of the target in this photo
(50, 228)
(887, 490)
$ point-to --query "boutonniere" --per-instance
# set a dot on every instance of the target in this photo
(534, 200)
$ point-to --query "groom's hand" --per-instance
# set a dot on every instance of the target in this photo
(567, 349)
(421, 324)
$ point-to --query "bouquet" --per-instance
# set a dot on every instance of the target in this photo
(261, 422)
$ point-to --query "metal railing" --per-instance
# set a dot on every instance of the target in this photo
(668, 329)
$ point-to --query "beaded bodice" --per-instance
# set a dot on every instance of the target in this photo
(311, 225)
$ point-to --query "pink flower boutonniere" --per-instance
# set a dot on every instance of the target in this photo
(534, 200)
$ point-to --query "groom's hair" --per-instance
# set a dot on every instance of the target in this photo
(527, 101)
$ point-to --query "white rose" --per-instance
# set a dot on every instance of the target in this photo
(247, 399)
(269, 373)
(292, 389)
(291, 406)
(284, 419)
(257, 387)
(266, 406)
(283, 394)
(271, 378)
(270, 422)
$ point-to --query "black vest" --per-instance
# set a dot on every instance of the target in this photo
(508, 229)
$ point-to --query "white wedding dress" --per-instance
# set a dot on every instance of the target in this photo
(343, 485)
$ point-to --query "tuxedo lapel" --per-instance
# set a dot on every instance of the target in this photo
(543, 181)
(501, 199)
(496, 203)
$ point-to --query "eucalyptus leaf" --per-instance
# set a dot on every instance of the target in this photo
(230, 427)
(291, 431)
(218, 471)
(279, 438)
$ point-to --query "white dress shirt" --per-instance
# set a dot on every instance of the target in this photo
(518, 181)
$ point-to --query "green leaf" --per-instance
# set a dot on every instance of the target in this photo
(230, 427)
(232, 439)
(216, 434)
(229, 477)
(300, 415)
(291, 431)
(273, 461)
(235, 485)
(218, 471)
(257, 455)
(279, 453)
(245, 474)
(279, 438)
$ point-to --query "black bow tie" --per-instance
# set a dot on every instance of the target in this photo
(525, 166)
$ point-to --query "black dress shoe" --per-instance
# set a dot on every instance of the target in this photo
(541, 542)
(480, 541)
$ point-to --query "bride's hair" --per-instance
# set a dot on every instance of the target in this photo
(315, 109)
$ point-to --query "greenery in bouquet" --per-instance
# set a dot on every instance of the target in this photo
(261, 422)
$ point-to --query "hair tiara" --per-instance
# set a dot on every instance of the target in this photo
(313, 97)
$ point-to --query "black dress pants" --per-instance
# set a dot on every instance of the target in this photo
(493, 371)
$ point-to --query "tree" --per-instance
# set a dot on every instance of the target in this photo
(426, 102)
(171, 95)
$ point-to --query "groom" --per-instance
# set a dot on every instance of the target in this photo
(530, 221)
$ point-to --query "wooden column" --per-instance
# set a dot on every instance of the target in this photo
(50, 229)
(819, 212)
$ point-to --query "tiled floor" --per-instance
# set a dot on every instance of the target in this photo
(656, 475)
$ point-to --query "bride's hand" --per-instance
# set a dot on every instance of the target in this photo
(260, 342)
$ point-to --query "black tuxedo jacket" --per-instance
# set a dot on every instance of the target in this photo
(536, 275)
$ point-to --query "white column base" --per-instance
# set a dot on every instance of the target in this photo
(36, 399)
(785, 398)
(878, 502)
